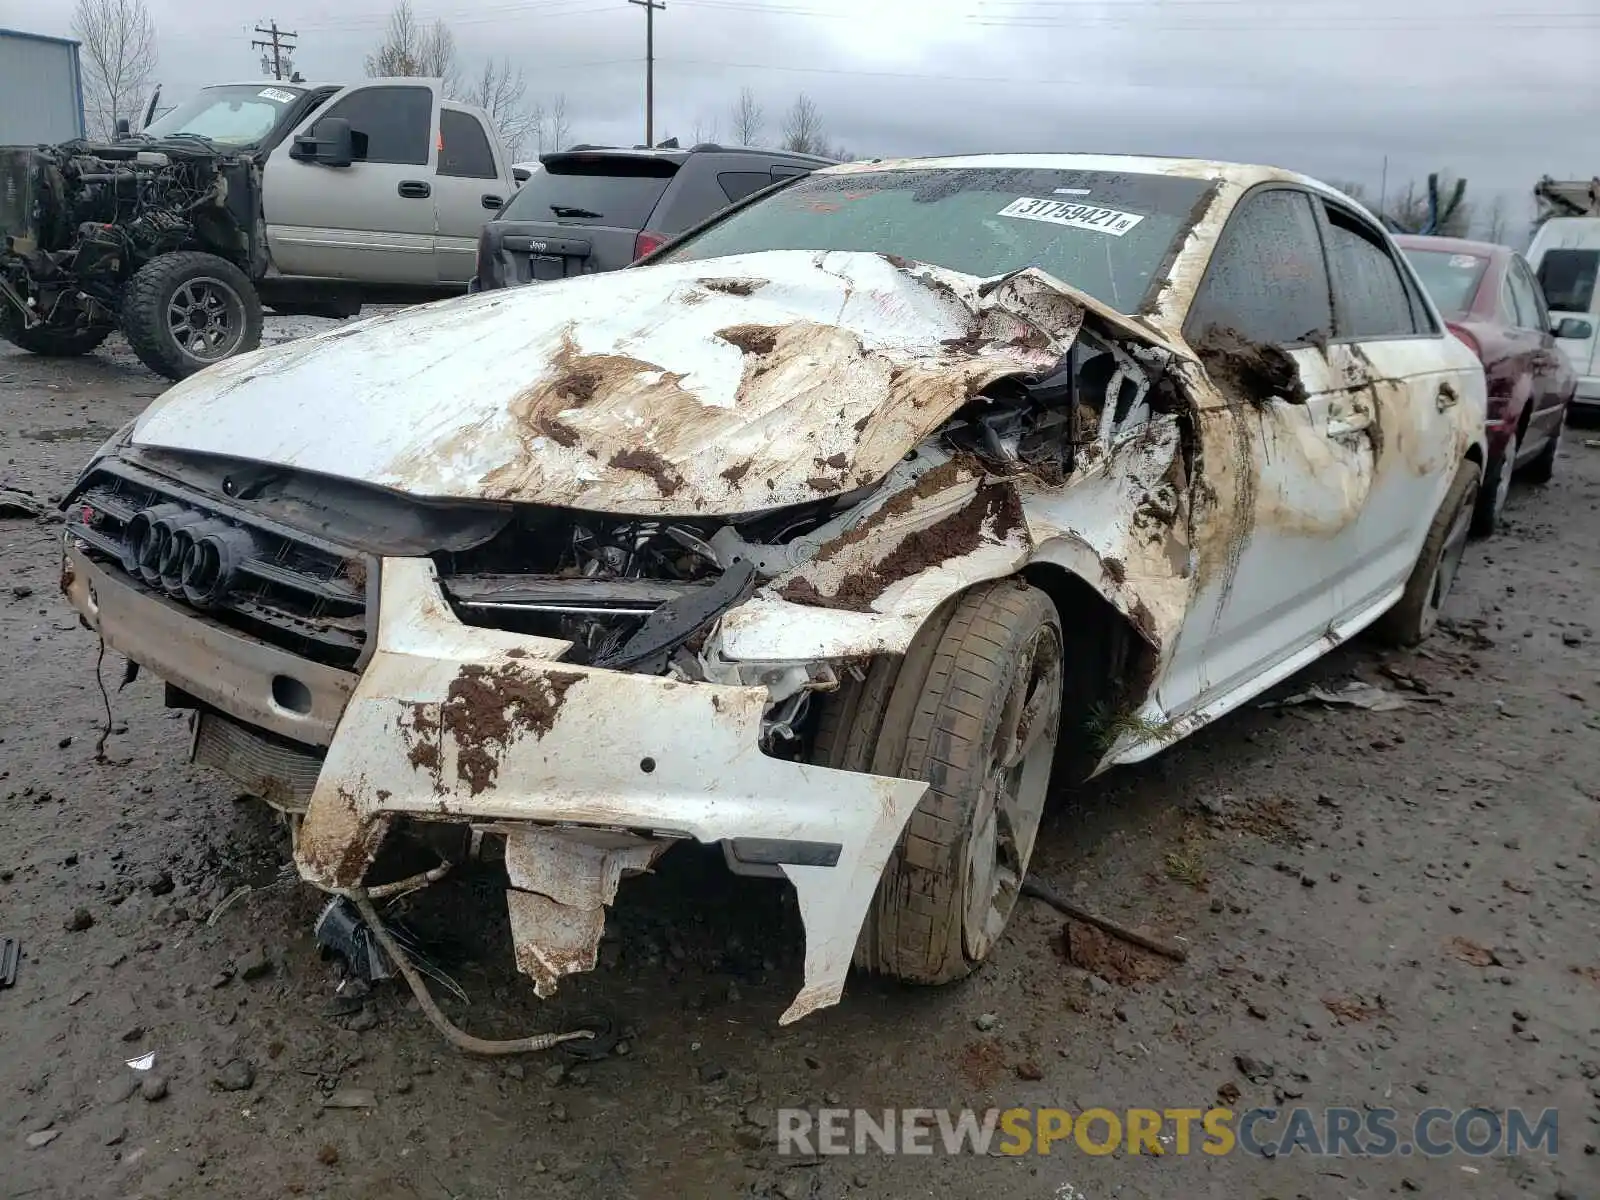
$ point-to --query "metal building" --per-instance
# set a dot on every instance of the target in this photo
(41, 89)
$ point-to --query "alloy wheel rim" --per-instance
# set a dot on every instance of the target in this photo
(206, 318)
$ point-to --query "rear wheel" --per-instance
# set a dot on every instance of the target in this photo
(974, 708)
(1496, 488)
(1417, 613)
(1543, 468)
(182, 312)
(47, 341)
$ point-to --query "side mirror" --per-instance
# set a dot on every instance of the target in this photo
(1573, 327)
(123, 128)
(521, 175)
(329, 142)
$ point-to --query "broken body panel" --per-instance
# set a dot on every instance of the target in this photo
(910, 413)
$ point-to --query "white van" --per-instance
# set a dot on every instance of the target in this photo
(1566, 255)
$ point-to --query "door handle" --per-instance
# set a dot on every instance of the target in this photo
(490, 200)
(415, 189)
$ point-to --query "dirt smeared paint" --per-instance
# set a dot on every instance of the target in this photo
(1115, 570)
(557, 430)
(1248, 372)
(486, 709)
(995, 511)
(648, 462)
(752, 339)
(736, 472)
(733, 287)
(339, 841)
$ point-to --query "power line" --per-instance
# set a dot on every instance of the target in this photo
(281, 45)
(649, 7)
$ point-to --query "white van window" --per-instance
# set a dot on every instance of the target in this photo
(1568, 278)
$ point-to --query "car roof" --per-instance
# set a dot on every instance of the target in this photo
(1450, 245)
(1242, 174)
(681, 155)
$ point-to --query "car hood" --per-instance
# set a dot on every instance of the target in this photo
(732, 385)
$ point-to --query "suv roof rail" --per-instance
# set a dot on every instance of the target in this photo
(706, 146)
(584, 146)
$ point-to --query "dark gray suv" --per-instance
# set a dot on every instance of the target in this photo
(595, 208)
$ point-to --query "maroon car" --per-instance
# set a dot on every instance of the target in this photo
(1491, 301)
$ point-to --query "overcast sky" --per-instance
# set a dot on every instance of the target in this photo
(1328, 87)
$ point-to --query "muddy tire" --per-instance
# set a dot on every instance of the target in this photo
(1417, 612)
(182, 312)
(1543, 468)
(974, 709)
(47, 342)
(1491, 505)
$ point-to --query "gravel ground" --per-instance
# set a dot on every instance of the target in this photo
(1381, 908)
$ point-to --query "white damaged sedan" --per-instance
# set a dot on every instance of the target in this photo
(832, 533)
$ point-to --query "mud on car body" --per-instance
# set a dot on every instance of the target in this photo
(876, 505)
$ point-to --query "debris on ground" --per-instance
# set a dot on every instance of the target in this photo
(1102, 954)
(1353, 1009)
(10, 957)
(37, 1141)
(351, 1098)
(144, 1062)
(14, 503)
(1353, 695)
(1469, 951)
(1040, 890)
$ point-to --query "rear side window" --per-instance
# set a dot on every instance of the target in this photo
(1367, 285)
(395, 121)
(464, 147)
(736, 185)
(583, 189)
(1567, 277)
(1267, 280)
(1530, 311)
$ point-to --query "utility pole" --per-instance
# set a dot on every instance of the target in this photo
(281, 45)
(649, 7)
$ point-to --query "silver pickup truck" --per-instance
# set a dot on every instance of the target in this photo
(304, 198)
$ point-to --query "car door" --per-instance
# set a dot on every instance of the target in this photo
(372, 220)
(1548, 382)
(1286, 457)
(467, 190)
(1395, 350)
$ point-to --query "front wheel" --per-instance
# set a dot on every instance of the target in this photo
(974, 708)
(1416, 614)
(182, 312)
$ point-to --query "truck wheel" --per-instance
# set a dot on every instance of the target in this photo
(974, 708)
(51, 343)
(1417, 612)
(182, 312)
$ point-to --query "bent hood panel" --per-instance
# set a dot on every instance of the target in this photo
(732, 385)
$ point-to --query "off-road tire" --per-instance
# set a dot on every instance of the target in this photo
(1416, 613)
(150, 293)
(47, 342)
(1543, 468)
(933, 714)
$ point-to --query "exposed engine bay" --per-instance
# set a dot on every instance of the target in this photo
(77, 220)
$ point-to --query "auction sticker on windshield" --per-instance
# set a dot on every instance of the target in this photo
(278, 94)
(1078, 216)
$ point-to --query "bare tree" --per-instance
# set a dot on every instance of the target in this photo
(501, 92)
(748, 118)
(409, 49)
(119, 55)
(802, 127)
(1494, 222)
(536, 119)
(1356, 191)
(705, 130)
(560, 127)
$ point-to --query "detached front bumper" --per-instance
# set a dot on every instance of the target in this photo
(589, 773)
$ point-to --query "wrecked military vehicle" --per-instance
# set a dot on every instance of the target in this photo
(867, 549)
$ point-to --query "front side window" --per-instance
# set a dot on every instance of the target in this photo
(1107, 233)
(1369, 292)
(1568, 278)
(394, 123)
(1267, 281)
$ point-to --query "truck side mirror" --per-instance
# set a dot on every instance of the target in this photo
(329, 142)
(123, 128)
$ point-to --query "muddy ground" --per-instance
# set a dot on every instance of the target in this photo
(1318, 863)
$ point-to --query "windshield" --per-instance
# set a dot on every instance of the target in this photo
(1451, 279)
(1105, 233)
(237, 115)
